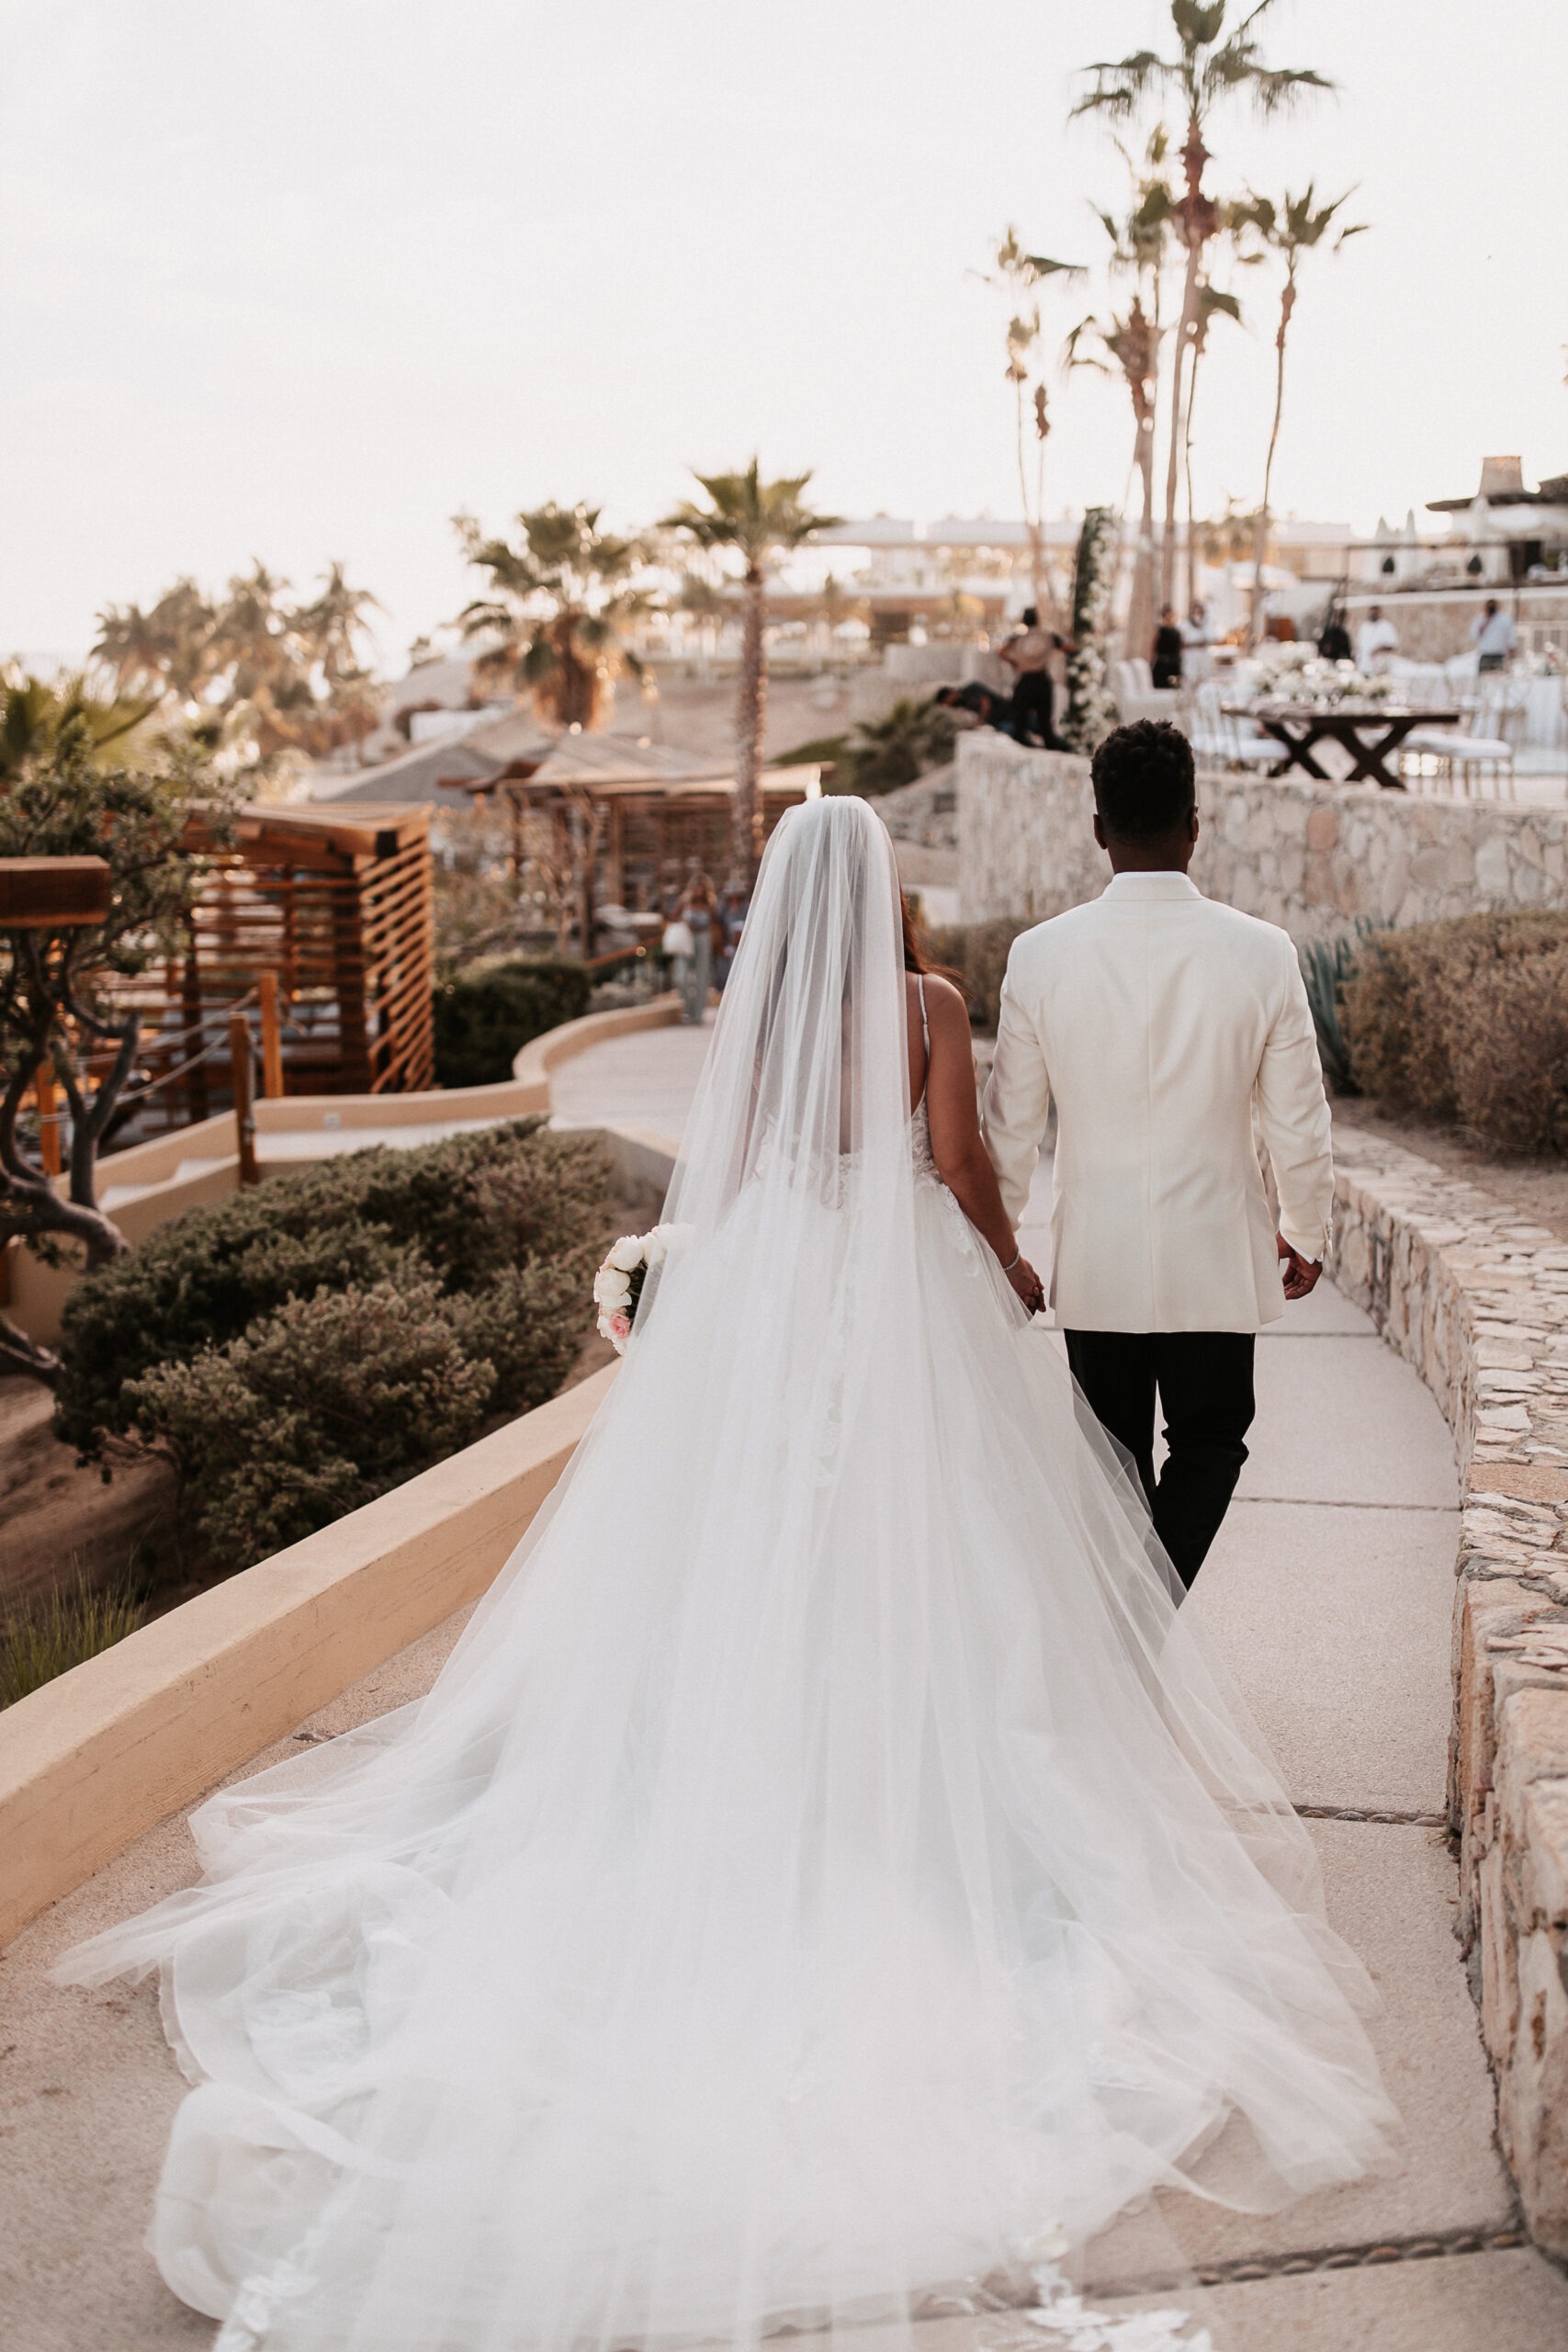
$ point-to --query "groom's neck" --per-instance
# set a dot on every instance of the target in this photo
(1172, 856)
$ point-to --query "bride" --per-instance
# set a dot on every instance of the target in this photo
(828, 1863)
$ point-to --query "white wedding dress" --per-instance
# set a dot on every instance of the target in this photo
(827, 1863)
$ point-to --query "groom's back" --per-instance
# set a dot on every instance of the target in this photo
(1154, 1014)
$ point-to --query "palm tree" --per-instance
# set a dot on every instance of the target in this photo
(38, 716)
(1019, 276)
(1294, 227)
(169, 648)
(559, 601)
(1208, 67)
(761, 521)
(1129, 345)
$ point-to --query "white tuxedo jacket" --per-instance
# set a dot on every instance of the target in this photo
(1155, 1018)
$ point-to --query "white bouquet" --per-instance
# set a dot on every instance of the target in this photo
(618, 1284)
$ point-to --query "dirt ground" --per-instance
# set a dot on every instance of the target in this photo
(1537, 1189)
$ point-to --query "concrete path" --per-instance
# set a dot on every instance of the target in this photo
(1328, 1594)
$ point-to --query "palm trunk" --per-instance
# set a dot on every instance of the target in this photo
(1260, 549)
(1186, 475)
(1173, 464)
(746, 840)
(1140, 607)
(1030, 522)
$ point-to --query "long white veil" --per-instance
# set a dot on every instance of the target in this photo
(825, 1862)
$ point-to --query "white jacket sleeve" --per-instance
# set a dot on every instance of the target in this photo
(1018, 1101)
(1293, 1112)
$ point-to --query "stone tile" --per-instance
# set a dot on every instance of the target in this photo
(1391, 1894)
(1339, 1421)
(1336, 1621)
(1512, 2301)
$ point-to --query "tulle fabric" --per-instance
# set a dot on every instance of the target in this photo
(827, 1865)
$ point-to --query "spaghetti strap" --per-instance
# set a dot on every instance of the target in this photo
(925, 1026)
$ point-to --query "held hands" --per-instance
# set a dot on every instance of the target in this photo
(1300, 1273)
(1028, 1285)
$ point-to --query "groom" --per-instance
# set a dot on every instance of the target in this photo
(1156, 1019)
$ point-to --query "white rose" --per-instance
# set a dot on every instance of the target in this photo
(653, 1247)
(618, 1289)
(626, 1255)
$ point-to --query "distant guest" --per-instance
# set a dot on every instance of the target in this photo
(984, 705)
(1028, 657)
(1375, 640)
(1494, 636)
(1335, 645)
(1164, 665)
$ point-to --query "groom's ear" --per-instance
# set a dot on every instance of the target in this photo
(1099, 830)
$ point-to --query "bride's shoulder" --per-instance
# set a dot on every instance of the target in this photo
(945, 1003)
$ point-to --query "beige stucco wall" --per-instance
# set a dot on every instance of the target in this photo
(1311, 857)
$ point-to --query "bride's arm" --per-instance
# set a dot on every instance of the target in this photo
(956, 1147)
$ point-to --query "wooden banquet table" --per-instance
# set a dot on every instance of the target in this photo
(1370, 733)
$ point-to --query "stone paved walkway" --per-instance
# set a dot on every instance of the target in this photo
(1328, 1593)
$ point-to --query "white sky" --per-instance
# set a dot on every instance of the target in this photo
(299, 278)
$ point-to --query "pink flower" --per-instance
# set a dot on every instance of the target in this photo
(620, 1330)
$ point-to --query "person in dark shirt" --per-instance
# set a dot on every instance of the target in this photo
(1333, 645)
(1164, 665)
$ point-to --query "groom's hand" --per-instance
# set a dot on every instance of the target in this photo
(1301, 1273)
(1028, 1285)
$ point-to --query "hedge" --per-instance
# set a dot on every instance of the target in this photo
(313, 1339)
(486, 1014)
(1467, 1022)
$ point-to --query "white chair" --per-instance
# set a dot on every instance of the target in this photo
(1466, 749)
(1217, 737)
(1137, 696)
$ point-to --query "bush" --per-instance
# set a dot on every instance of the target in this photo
(978, 952)
(46, 1638)
(503, 1221)
(485, 1015)
(314, 1411)
(1467, 1021)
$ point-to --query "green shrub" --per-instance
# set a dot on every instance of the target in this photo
(41, 1639)
(977, 952)
(483, 1016)
(1467, 1021)
(883, 754)
(314, 1411)
(503, 1220)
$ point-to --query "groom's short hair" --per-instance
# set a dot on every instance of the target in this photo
(1143, 780)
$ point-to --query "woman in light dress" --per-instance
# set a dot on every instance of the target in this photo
(827, 1868)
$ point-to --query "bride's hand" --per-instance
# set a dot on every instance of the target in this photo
(1028, 1285)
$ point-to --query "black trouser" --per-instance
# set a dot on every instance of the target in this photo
(1034, 707)
(1204, 1380)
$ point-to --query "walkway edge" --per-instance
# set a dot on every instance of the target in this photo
(1476, 1299)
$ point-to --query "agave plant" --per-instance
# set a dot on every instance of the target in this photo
(1325, 967)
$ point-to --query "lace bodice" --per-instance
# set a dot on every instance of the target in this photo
(920, 1117)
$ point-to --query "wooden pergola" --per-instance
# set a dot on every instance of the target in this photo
(327, 910)
(631, 839)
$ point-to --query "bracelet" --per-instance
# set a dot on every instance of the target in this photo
(1016, 1256)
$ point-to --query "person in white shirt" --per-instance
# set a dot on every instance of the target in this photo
(1155, 1019)
(1375, 640)
(1494, 636)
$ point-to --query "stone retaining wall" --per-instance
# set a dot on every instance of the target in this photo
(1309, 856)
(1477, 1300)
